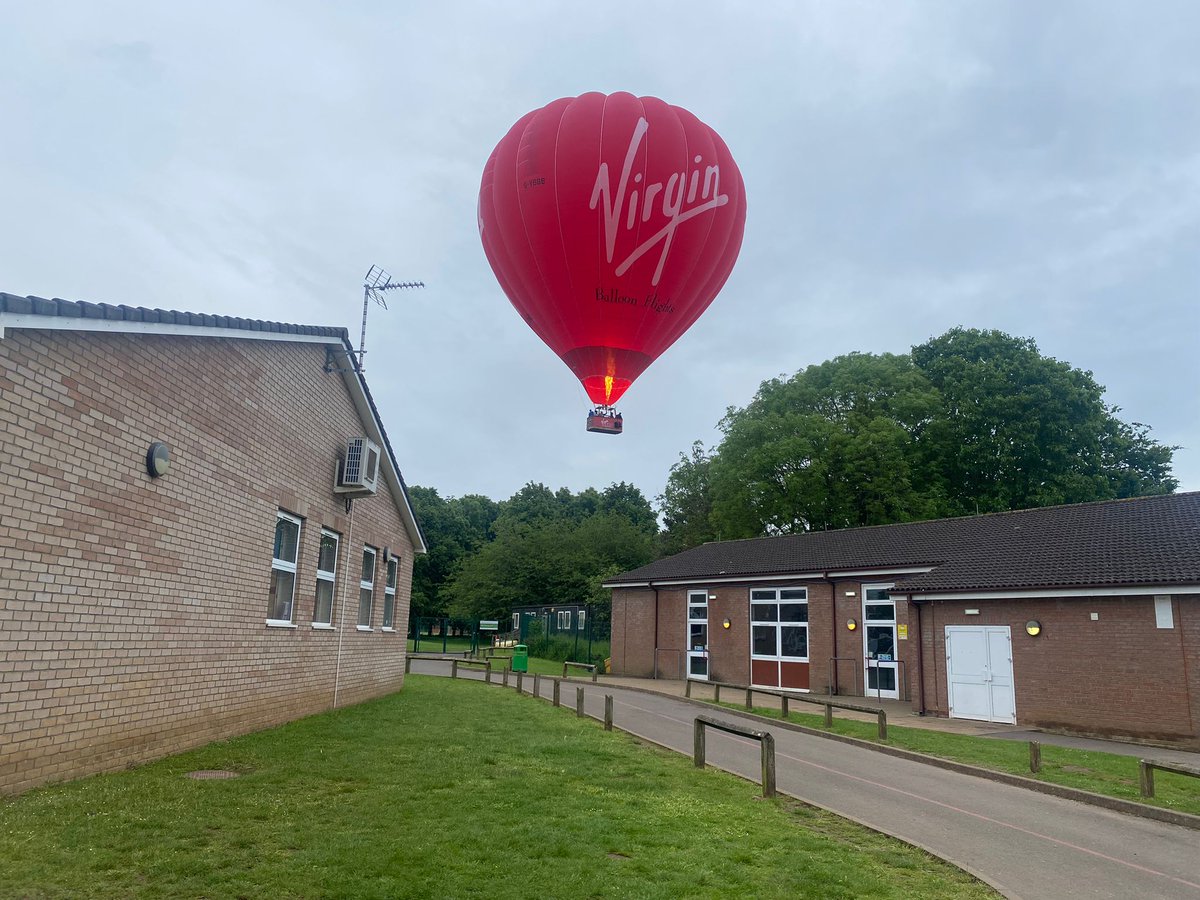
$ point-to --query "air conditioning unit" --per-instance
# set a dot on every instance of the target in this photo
(358, 471)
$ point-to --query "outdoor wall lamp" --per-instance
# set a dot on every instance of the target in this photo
(158, 459)
(1033, 627)
(725, 624)
(851, 624)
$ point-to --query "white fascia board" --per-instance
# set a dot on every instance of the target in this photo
(120, 326)
(799, 576)
(1044, 594)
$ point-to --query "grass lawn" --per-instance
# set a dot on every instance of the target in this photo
(434, 644)
(1101, 773)
(446, 789)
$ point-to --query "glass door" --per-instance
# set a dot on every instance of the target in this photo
(697, 630)
(879, 640)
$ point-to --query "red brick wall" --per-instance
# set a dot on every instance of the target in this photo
(133, 609)
(1119, 675)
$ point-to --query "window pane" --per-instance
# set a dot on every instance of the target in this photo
(793, 612)
(582, 618)
(795, 641)
(391, 581)
(365, 601)
(287, 534)
(389, 604)
(697, 612)
(698, 665)
(764, 640)
(874, 594)
(881, 642)
(368, 565)
(794, 594)
(327, 558)
(881, 678)
(764, 612)
(323, 611)
(698, 637)
(283, 588)
(762, 595)
(885, 612)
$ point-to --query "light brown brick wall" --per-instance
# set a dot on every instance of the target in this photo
(133, 610)
(1119, 675)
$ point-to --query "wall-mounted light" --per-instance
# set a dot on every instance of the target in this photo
(851, 593)
(1033, 628)
(851, 624)
(712, 596)
(158, 459)
(726, 624)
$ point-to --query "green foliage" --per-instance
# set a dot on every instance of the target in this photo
(454, 528)
(545, 547)
(972, 421)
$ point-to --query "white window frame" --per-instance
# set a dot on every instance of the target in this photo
(516, 623)
(867, 624)
(777, 600)
(327, 577)
(391, 576)
(564, 620)
(367, 585)
(1164, 615)
(582, 618)
(696, 600)
(283, 565)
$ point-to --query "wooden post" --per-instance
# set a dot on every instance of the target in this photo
(698, 745)
(783, 707)
(505, 671)
(407, 665)
(1035, 756)
(593, 674)
(608, 712)
(828, 715)
(579, 702)
(487, 673)
(454, 668)
(557, 684)
(537, 684)
(687, 690)
(749, 698)
(768, 765)
(882, 725)
(1146, 777)
(520, 682)
(717, 696)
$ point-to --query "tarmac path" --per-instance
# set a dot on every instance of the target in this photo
(1024, 843)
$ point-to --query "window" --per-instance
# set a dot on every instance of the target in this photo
(564, 620)
(366, 589)
(779, 623)
(1163, 614)
(516, 622)
(283, 569)
(580, 620)
(327, 558)
(389, 595)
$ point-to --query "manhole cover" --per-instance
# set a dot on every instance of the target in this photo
(208, 774)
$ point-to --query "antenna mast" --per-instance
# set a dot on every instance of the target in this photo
(376, 283)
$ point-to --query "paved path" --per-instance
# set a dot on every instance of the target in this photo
(1024, 843)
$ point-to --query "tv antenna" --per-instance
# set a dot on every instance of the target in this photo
(376, 284)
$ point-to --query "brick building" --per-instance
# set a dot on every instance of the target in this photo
(1083, 618)
(176, 565)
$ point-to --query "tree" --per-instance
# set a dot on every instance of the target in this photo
(686, 503)
(453, 529)
(972, 421)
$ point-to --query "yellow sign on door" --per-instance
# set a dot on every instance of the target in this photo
(902, 632)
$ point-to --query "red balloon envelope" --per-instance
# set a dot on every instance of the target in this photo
(611, 223)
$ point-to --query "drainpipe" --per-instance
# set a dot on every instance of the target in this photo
(833, 680)
(916, 604)
(655, 631)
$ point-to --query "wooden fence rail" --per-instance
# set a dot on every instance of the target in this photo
(785, 698)
(766, 744)
(1146, 769)
(586, 666)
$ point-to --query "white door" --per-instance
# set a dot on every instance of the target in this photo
(697, 630)
(979, 673)
(879, 642)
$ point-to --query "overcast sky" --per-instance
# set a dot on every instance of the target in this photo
(909, 167)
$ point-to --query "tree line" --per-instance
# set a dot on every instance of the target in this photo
(969, 422)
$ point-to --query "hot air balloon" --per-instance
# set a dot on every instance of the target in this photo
(611, 222)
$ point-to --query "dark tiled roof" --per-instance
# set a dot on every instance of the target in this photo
(81, 309)
(1143, 541)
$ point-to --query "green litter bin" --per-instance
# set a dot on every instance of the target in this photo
(520, 658)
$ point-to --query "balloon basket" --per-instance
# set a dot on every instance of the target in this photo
(605, 420)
